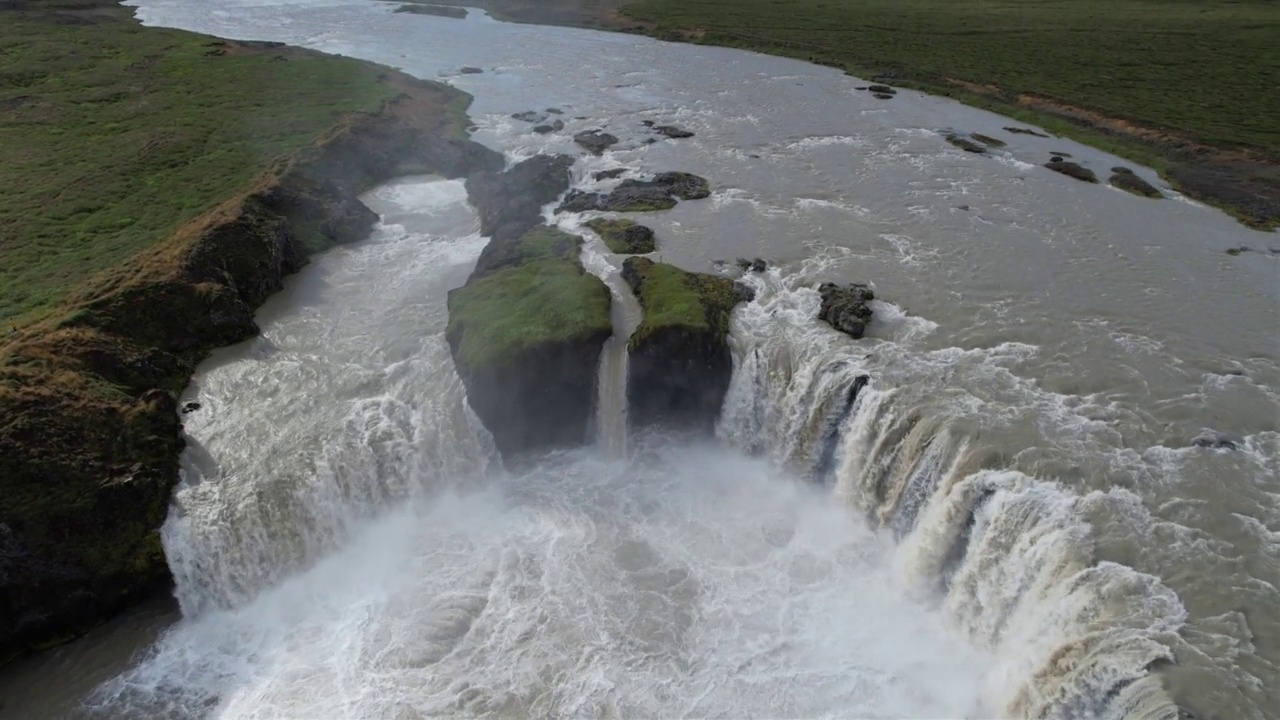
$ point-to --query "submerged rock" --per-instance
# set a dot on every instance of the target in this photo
(595, 141)
(659, 193)
(468, 70)
(612, 174)
(1025, 131)
(1217, 441)
(1127, 180)
(556, 126)
(510, 202)
(624, 236)
(680, 364)
(673, 132)
(1071, 169)
(966, 144)
(529, 116)
(882, 96)
(526, 333)
(846, 307)
(988, 140)
(882, 89)
(190, 407)
(756, 265)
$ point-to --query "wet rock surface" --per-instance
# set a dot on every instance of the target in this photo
(662, 192)
(510, 202)
(624, 236)
(595, 141)
(1128, 180)
(1070, 169)
(846, 308)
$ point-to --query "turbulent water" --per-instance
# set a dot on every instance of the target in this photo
(989, 507)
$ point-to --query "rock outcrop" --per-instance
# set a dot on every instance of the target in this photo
(966, 144)
(680, 364)
(510, 202)
(1070, 169)
(526, 333)
(90, 434)
(625, 237)
(595, 141)
(1128, 180)
(846, 308)
(660, 193)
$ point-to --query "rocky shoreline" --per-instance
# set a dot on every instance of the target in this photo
(89, 451)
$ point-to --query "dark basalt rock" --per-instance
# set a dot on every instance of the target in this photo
(756, 265)
(510, 202)
(966, 144)
(846, 307)
(555, 111)
(190, 407)
(673, 132)
(988, 140)
(556, 126)
(595, 141)
(1067, 155)
(680, 363)
(529, 116)
(1055, 158)
(882, 96)
(1127, 180)
(468, 70)
(1071, 169)
(1025, 131)
(613, 174)
(882, 89)
(659, 193)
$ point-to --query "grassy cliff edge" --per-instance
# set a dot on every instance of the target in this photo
(184, 177)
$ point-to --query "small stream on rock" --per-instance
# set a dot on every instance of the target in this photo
(990, 506)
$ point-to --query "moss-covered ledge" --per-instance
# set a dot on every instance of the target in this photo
(680, 361)
(526, 333)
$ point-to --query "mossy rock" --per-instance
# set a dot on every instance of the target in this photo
(526, 333)
(1071, 169)
(1026, 131)
(1127, 180)
(658, 193)
(680, 361)
(624, 237)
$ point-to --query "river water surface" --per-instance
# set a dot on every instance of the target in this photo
(1009, 520)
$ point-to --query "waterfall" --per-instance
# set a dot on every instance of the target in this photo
(1008, 557)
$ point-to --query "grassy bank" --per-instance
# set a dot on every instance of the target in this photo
(1186, 86)
(159, 185)
(112, 136)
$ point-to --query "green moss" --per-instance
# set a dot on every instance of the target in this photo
(675, 298)
(495, 318)
(112, 135)
(623, 236)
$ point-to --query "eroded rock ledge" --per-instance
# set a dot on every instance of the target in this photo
(527, 329)
(85, 473)
(680, 364)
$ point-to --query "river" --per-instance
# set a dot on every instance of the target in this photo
(1009, 520)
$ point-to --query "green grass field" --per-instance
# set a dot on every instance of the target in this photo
(112, 136)
(1208, 70)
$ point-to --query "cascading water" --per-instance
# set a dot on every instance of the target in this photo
(1009, 555)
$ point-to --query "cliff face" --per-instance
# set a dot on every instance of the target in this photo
(680, 361)
(89, 431)
(527, 329)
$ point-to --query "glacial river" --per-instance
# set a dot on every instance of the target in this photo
(1011, 520)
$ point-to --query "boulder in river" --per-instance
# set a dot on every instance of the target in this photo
(757, 265)
(882, 96)
(1217, 441)
(468, 70)
(1128, 180)
(673, 132)
(546, 129)
(510, 202)
(1025, 131)
(1070, 169)
(526, 333)
(988, 140)
(624, 237)
(846, 308)
(529, 116)
(595, 141)
(612, 174)
(680, 363)
(882, 89)
(966, 144)
(659, 193)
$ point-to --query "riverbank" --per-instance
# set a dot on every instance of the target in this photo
(1182, 88)
(164, 184)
